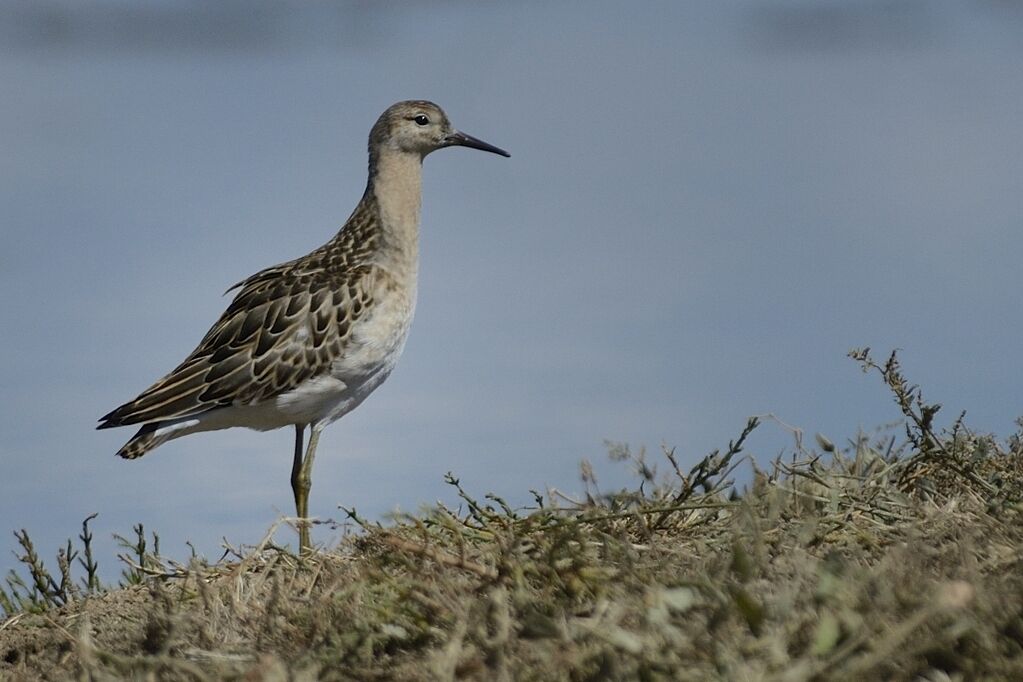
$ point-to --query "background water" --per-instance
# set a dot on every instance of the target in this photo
(706, 206)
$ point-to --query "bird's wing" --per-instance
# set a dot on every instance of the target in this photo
(286, 325)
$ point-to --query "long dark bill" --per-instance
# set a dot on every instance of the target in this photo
(460, 139)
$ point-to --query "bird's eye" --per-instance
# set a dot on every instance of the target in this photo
(421, 120)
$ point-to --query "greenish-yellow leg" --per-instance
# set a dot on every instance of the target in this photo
(301, 482)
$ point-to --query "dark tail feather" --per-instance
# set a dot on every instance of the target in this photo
(143, 441)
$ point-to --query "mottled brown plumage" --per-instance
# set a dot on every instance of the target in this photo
(305, 342)
(251, 353)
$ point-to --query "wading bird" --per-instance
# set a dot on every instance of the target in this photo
(304, 342)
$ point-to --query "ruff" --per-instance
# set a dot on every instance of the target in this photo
(304, 342)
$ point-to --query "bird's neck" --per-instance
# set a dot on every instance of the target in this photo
(395, 186)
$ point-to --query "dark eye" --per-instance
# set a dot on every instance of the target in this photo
(421, 120)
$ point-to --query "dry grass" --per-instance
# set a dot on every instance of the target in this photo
(873, 561)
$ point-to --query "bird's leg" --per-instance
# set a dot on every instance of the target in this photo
(296, 481)
(302, 483)
(296, 464)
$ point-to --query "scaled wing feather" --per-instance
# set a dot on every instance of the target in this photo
(281, 329)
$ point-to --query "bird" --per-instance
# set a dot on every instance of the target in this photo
(306, 341)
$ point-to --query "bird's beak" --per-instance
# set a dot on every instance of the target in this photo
(460, 139)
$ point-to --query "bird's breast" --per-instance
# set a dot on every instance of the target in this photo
(371, 352)
(378, 336)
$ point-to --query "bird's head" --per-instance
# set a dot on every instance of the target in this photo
(420, 127)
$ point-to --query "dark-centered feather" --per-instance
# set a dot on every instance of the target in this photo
(286, 325)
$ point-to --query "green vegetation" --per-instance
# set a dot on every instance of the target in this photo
(896, 557)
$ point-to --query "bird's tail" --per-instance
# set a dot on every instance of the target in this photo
(148, 438)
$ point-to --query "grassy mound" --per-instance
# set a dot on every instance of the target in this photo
(896, 559)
